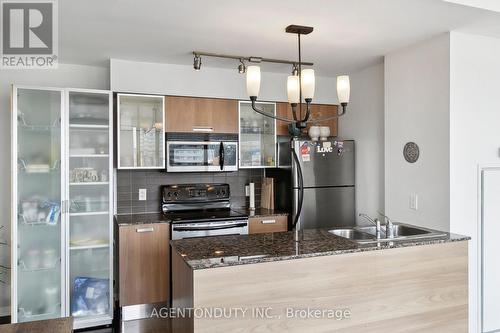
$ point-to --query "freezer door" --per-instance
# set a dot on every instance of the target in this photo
(326, 207)
(325, 163)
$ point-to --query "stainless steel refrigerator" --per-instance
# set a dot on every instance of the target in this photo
(328, 182)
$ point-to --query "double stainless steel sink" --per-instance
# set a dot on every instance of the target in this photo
(400, 232)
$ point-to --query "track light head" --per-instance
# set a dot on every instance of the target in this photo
(241, 67)
(197, 62)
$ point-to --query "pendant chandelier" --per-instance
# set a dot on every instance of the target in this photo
(300, 85)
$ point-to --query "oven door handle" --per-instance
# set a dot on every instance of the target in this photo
(220, 227)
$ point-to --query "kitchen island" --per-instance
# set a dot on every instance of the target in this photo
(323, 283)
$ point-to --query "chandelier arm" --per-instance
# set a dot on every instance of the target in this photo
(328, 118)
(271, 115)
(308, 111)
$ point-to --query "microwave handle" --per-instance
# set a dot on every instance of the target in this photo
(221, 154)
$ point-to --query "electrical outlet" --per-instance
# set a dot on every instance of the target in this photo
(142, 194)
(414, 201)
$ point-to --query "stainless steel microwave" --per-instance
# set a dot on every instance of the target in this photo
(192, 156)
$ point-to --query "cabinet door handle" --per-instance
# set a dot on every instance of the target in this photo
(141, 230)
(268, 221)
(203, 129)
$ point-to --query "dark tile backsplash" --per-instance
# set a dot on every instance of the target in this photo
(130, 181)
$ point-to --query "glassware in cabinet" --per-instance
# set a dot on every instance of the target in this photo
(141, 134)
(257, 136)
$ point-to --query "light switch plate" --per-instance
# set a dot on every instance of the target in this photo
(414, 201)
(142, 194)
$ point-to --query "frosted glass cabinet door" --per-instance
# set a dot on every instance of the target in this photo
(257, 136)
(141, 134)
(89, 190)
(37, 194)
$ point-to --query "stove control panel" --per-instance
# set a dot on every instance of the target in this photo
(195, 193)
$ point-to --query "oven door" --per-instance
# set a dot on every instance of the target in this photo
(207, 229)
(189, 156)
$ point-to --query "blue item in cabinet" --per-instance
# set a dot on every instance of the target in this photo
(90, 296)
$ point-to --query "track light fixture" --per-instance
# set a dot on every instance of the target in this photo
(300, 85)
(241, 67)
(197, 62)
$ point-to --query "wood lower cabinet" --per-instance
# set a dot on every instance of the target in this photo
(265, 224)
(196, 114)
(144, 264)
(317, 111)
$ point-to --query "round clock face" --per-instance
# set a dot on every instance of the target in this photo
(411, 152)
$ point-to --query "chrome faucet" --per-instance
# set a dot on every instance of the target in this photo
(374, 221)
(389, 226)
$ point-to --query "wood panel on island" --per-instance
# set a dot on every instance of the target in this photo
(317, 111)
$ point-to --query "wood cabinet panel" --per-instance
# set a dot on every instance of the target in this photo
(144, 264)
(189, 114)
(264, 224)
(317, 111)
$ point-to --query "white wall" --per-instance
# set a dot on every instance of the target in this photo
(364, 122)
(182, 80)
(73, 76)
(475, 139)
(417, 109)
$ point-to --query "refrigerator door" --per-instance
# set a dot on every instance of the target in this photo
(325, 163)
(326, 207)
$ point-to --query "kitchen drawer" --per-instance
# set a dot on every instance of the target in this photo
(263, 224)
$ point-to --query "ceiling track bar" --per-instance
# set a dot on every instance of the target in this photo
(250, 59)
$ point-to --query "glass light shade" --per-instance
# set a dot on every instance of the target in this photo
(343, 88)
(308, 83)
(292, 88)
(253, 80)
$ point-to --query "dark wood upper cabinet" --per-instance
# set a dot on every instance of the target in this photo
(317, 111)
(196, 114)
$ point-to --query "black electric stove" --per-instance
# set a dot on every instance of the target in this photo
(201, 210)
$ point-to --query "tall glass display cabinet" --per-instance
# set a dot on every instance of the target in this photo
(62, 148)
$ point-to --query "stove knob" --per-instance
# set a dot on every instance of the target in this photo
(223, 192)
(176, 194)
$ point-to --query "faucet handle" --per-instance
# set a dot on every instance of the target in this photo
(386, 218)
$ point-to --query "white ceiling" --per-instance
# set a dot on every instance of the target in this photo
(348, 34)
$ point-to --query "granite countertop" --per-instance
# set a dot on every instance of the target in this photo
(149, 218)
(137, 219)
(258, 212)
(211, 252)
(58, 325)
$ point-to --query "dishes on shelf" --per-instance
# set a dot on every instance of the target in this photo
(36, 260)
(87, 175)
(88, 242)
(39, 212)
